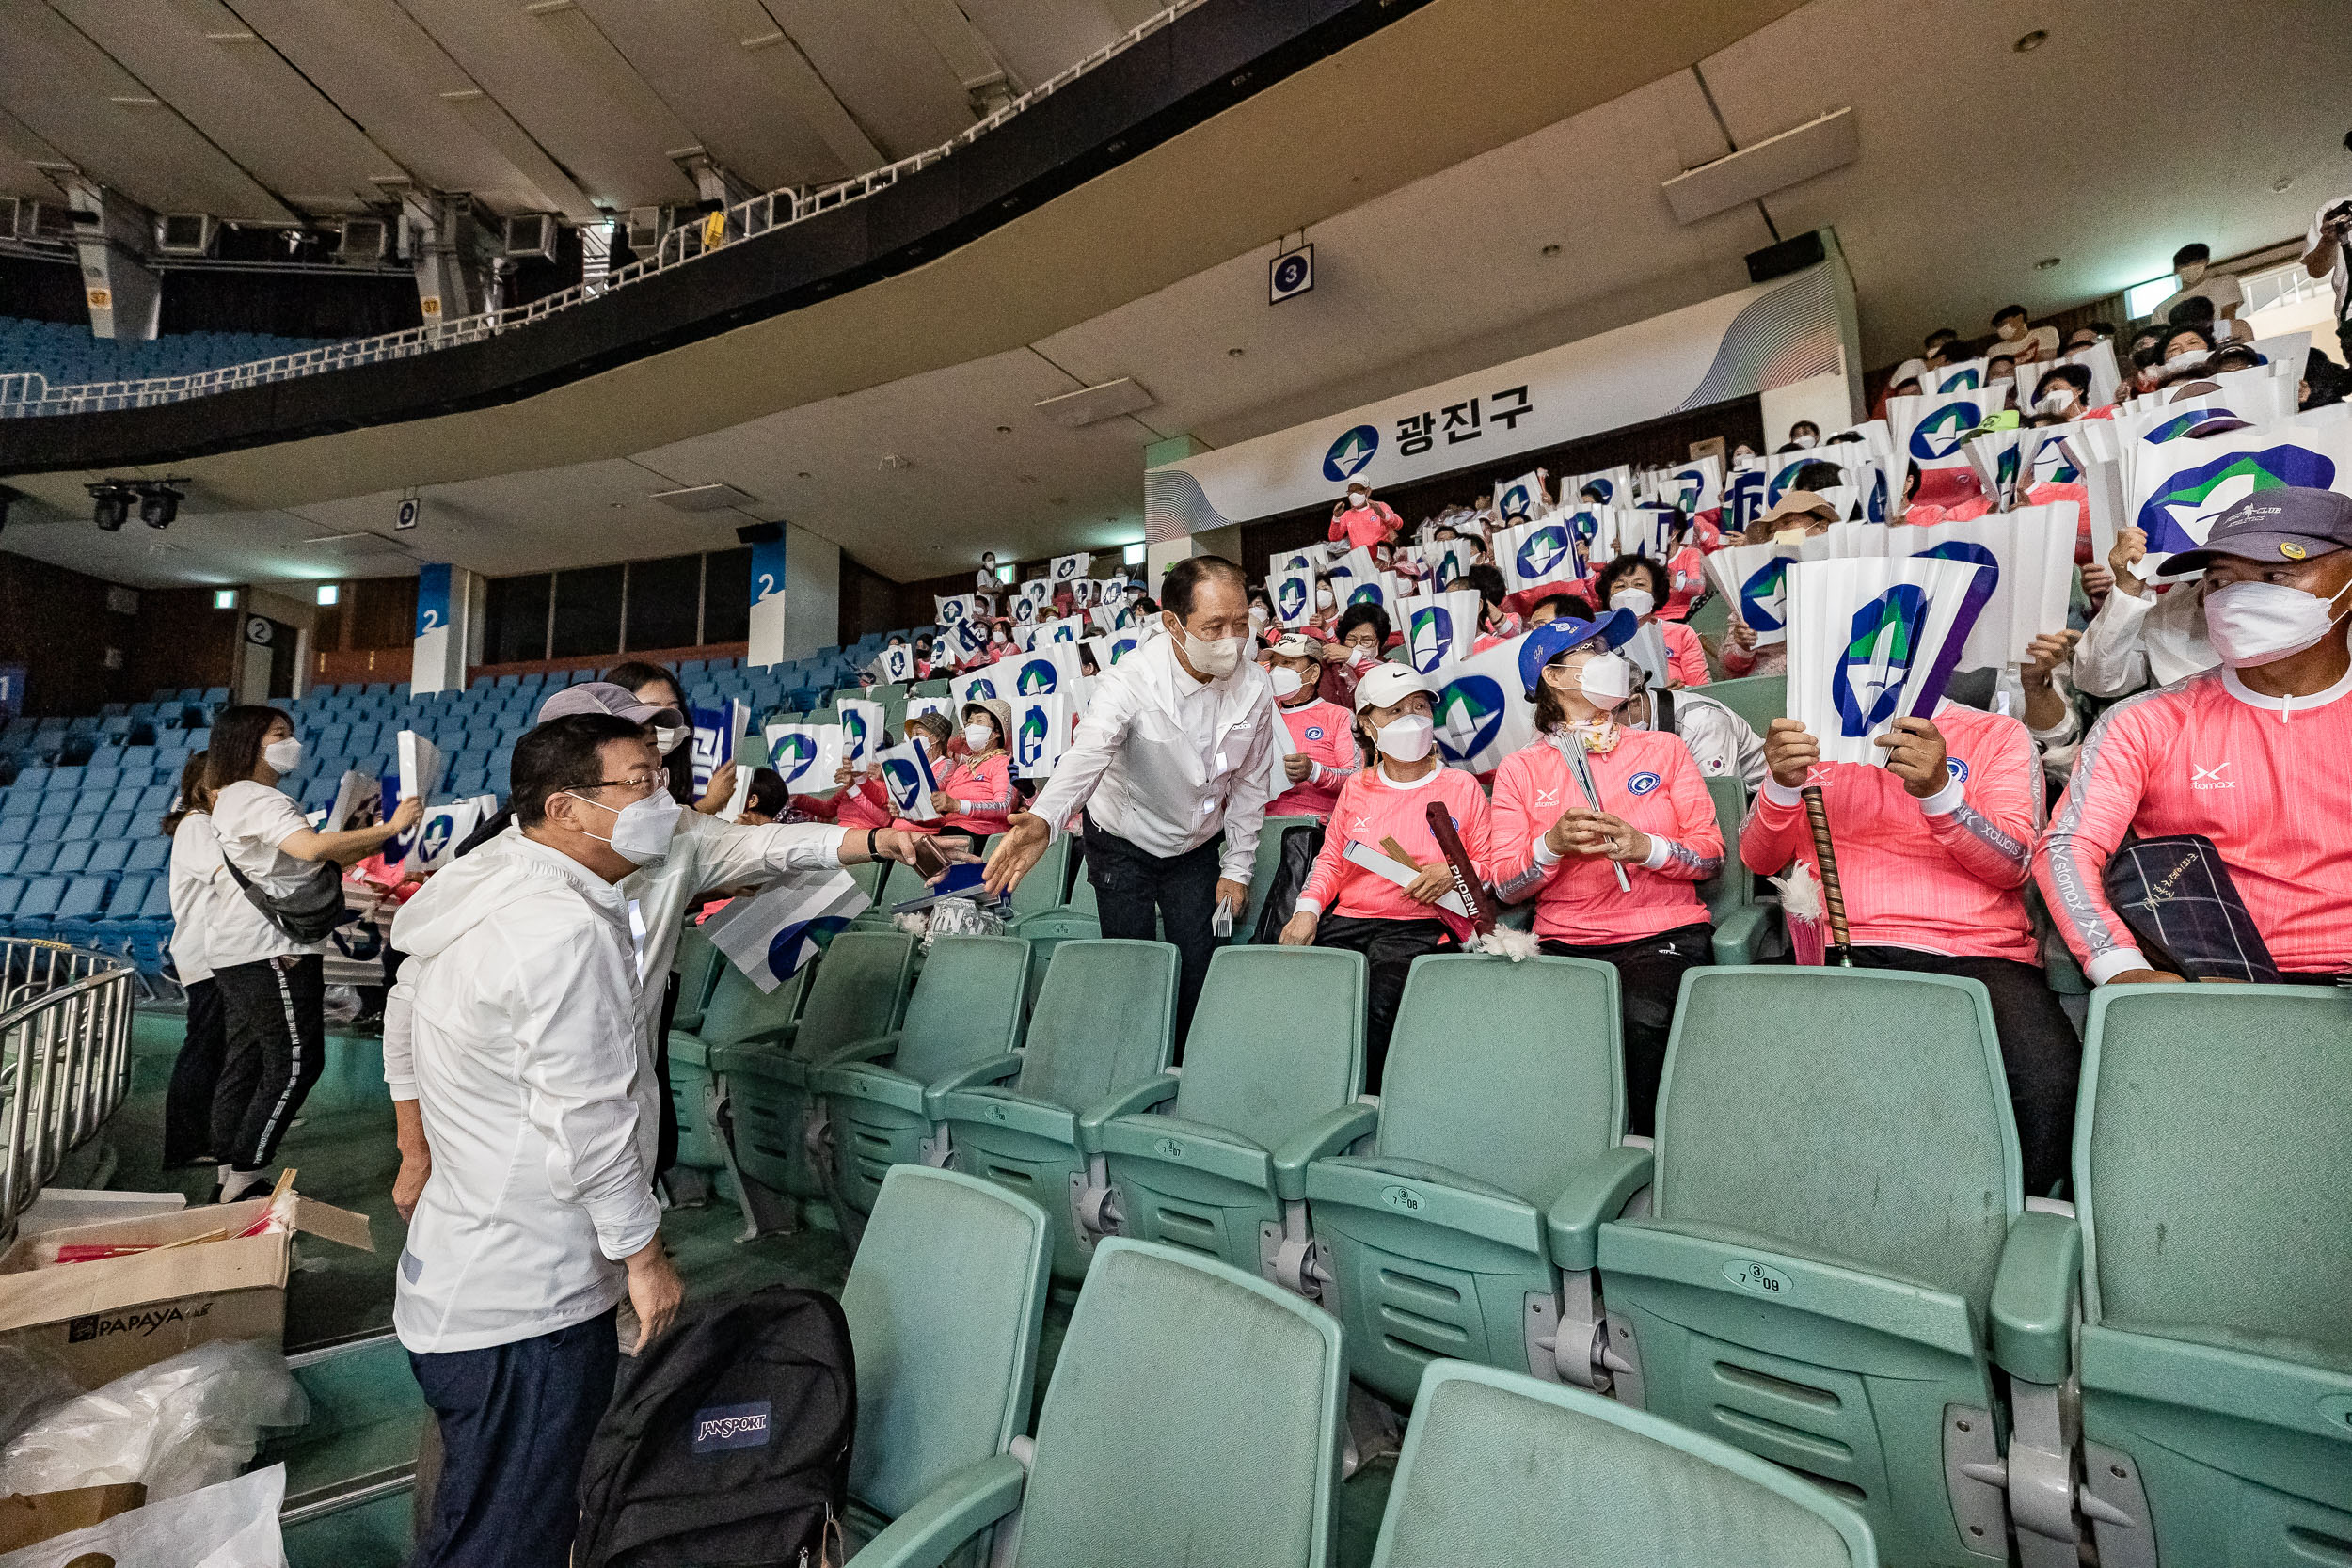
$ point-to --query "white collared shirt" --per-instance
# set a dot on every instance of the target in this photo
(1167, 761)
(2145, 640)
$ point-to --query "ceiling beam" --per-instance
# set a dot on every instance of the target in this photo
(803, 90)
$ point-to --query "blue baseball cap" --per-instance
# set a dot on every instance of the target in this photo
(1556, 637)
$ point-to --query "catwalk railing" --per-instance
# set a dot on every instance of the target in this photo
(22, 395)
(65, 1059)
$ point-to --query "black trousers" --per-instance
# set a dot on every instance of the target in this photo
(516, 1420)
(665, 1135)
(2040, 1053)
(188, 1102)
(277, 1047)
(1649, 979)
(1389, 947)
(1131, 887)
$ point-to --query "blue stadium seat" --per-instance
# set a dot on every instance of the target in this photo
(32, 779)
(71, 857)
(11, 894)
(84, 901)
(148, 854)
(15, 830)
(82, 825)
(20, 803)
(11, 854)
(37, 907)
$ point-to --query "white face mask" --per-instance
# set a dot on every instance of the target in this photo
(668, 738)
(1408, 737)
(1790, 536)
(1324, 599)
(2057, 400)
(2258, 622)
(1286, 683)
(1605, 681)
(1257, 616)
(2011, 331)
(1214, 658)
(283, 756)
(1802, 443)
(1357, 500)
(2194, 359)
(979, 736)
(642, 828)
(1639, 600)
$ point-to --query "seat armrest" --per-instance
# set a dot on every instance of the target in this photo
(959, 1508)
(2033, 1297)
(772, 1034)
(1158, 1089)
(870, 1050)
(1595, 1190)
(1740, 937)
(996, 1070)
(1327, 1134)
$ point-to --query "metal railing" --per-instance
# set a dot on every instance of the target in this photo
(65, 1059)
(748, 219)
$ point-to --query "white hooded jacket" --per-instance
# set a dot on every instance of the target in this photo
(522, 994)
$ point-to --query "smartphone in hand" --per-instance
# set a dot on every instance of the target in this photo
(930, 863)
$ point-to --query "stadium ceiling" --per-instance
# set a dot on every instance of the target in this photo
(271, 112)
(1479, 182)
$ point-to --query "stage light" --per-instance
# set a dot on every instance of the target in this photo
(158, 505)
(110, 505)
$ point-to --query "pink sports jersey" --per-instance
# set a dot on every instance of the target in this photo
(2263, 777)
(982, 792)
(1648, 780)
(1371, 808)
(1367, 526)
(863, 803)
(1685, 655)
(1321, 733)
(1943, 875)
(1686, 580)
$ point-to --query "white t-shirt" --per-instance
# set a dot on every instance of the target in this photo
(197, 878)
(2340, 279)
(251, 821)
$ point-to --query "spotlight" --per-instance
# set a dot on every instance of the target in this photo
(110, 505)
(158, 504)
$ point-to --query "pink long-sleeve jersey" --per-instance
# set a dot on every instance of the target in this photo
(1371, 808)
(1648, 780)
(1946, 874)
(1323, 733)
(2264, 777)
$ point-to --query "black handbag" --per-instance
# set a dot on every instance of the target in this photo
(2176, 895)
(308, 914)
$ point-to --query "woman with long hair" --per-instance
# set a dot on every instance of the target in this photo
(194, 880)
(272, 995)
(1653, 825)
(655, 686)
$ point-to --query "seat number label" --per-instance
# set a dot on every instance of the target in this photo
(1404, 1199)
(1749, 1275)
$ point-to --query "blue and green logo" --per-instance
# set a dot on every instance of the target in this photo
(1036, 676)
(1541, 551)
(1764, 597)
(1349, 453)
(1030, 745)
(1867, 682)
(792, 755)
(1432, 637)
(1469, 715)
(1938, 436)
(2182, 509)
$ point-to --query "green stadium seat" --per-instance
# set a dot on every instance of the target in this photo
(1274, 1066)
(858, 992)
(1499, 1469)
(698, 966)
(738, 1011)
(1758, 699)
(1467, 1231)
(1262, 871)
(965, 1012)
(1232, 1459)
(2213, 1157)
(1835, 1206)
(1742, 926)
(1105, 1022)
(937, 1392)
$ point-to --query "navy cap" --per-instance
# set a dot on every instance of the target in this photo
(1556, 637)
(2290, 523)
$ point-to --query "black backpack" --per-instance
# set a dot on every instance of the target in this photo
(1300, 846)
(727, 1442)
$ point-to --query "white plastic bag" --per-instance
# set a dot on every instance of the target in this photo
(192, 1421)
(233, 1524)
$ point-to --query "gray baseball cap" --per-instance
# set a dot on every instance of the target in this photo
(2289, 523)
(606, 698)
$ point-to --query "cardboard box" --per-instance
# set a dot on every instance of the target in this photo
(102, 1319)
(28, 1519)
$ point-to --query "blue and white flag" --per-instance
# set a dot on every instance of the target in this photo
(1695, 488)
(1611, 487)
(1754, 582)
(771, 935)
(906, 773)
(2026, 573)
(967, 639)
(1929, 433)
(1441, 627)
(1871, 641)
(1068, 628)
(865, 731)
(715, 731)
(953, 609)
(1538, 554)
(894, 665)
(1744, 500)
(1022, 612)
(1966, 376)
(2175, 490)
(1069, 568)
(1481, 712)
(804, 757)
(1043, 724)
(1294, 594)
(1522, 497)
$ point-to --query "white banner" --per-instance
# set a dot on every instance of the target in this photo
(1069, 629)
(1522, 497)
(1927, 435)
(1441, 627)
(906, 775)
(715, 731)
(806, 756)
(1538, 555)
(1869, 642)
(895, 666)
(1483, 714)
(1294, 596)
(1695, 488)
(771, 935)
(1753, 581)
(1043, 724)
(865, 731)
(420, 764)
(2176, 489)
(1069, 568)
(1609, 487)
(954, 609)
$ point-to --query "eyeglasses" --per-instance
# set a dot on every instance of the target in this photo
(660, 780)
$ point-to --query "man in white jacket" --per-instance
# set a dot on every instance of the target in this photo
(539, 1216)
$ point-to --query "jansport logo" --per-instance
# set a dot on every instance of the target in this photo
(1868, 684)
(1937, 436)
(2178, 515)
(1036, 676)
(102, 1326)
(732, 1426)
(1433, 636)
(1540, 551)
(1290, 599)
(2200, 777)
(1470, 712)
(1350, 453)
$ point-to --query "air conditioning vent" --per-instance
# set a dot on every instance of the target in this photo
(645, 226)
(531, 236)
(363, 240)
(185, 234)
